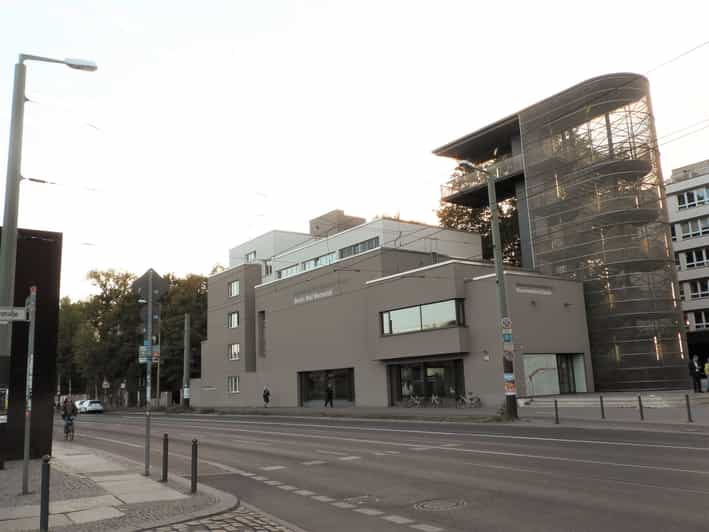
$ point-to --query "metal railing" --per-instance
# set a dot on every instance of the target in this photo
(475, 177)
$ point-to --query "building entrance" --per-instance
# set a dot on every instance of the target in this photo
(553, 374)
(426, 381)
(312, 387)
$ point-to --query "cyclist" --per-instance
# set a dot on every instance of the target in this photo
(69, 412)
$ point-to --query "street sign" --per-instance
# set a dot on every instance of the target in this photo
(105, 385)
(8, 314)
(186, 392)
(506, 323)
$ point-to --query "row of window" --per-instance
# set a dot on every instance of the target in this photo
(699, 289)
(693, 198)
(423, 317)
(329, 258)
(701, 319)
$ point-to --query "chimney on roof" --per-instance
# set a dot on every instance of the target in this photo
(332, 223)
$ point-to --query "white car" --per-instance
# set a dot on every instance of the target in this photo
(92, 406)
(78, 404)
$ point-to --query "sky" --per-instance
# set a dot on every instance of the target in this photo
(211, 122)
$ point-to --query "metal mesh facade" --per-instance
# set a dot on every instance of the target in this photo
(597, 215)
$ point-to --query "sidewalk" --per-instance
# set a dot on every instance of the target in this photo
(93, 491)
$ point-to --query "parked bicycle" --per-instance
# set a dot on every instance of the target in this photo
(435, 401)
(414, 401)
(469, 401)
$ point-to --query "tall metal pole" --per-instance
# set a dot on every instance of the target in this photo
(8, 244)
(505, 322)
(186, 364)
(31, 306)
(148, 373)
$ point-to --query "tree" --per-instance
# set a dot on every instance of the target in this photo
(72, 315)
(479, 221)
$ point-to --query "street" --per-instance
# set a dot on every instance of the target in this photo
(350, 475)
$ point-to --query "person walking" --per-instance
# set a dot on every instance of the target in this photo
(695, 371)
(266, 396)
(706, 374)
(329, 396)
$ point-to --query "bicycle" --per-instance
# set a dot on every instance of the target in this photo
(471, 401)
(69, 428)
(435, 401)
(414, 401)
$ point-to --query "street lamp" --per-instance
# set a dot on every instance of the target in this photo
(8, 244)
(505, 322)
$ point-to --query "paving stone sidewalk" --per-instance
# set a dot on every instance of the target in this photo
(243, 519)
(91, 491)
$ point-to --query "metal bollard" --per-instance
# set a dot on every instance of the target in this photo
(44, 500)
(603, 410)
(193, 479)
(164, 459)
(640, 407)
(689, 409)
(556, 412)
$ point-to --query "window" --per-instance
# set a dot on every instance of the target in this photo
(232, 384)
(696, 258)
(701, 319)
(251, 256)
(268, 267)
(423, 317)
(323, 260)
(674, 233)
(287, 272)
(361, 247)
(681, 291)
(699, 289)
(233, 351)
(232, 320)
(695, 228)
(692, 198)
(233, 288)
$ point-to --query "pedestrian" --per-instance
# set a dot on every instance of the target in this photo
(329, 396)
(706, 375)
(695, 371)
(266, 396)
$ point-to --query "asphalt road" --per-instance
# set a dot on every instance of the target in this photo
(348, 475)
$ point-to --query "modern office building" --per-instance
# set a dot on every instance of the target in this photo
(383, 311)
(688, 209)
(583, 166)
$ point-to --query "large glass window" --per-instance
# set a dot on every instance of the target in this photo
(360, 247)
(699, 289)
(696, 258)
(233, 288)
(287, 272)
(692, 198)
(695, 228)
(423, 317)
(323, 260)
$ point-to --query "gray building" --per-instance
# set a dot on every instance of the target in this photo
(400, 311)
(583, 166)
(688, 209)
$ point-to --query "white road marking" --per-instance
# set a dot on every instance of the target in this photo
(336, 453)
(424, 448)
(314, 462)
(343, 505)
(272, 468)
(305, 493)
(369, 511)
(246, 474)
(436, 433)
(272, 482)
(397, 519)
(260, 478)
(322, 498)
(349, 458)
(286, 487)
(427, 528)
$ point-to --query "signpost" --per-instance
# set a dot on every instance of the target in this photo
(148, 287)
(30, 311)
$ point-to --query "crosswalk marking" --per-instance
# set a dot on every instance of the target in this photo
(323, 498)
(260, 478)
(286, 487)
(349, 458)
(314, 462)
(273, 482)
(304, 493)
(272, 468)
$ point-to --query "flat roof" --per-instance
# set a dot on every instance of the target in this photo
(491, 132)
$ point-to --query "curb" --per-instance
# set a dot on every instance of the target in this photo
(225, 501)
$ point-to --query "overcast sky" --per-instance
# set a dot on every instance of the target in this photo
(211, 122)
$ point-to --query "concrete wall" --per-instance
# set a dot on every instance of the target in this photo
(266, 246)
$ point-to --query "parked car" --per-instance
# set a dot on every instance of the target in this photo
(92, 406)
(78, 404)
